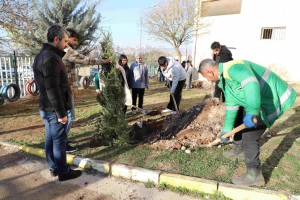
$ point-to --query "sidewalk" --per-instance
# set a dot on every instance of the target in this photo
(174, 180)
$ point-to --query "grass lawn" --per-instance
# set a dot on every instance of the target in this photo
(21, 124)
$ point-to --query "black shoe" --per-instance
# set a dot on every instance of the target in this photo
(71, 149)
(70, 175)
(53, 172)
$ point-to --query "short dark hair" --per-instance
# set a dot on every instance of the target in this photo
(162, 60)
(206, 63)
(121, 57)
(215, 45)
(73, 33)
(55, 30)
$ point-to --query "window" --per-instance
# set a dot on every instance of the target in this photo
(273, 33)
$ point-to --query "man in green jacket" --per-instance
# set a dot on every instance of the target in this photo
(264, 96)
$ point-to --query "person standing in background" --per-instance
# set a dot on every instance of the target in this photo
(125, 75)
(71, 58)
(189, 68)
(139, 80)
(220, 54)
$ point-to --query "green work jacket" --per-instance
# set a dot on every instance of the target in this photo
(256, 88)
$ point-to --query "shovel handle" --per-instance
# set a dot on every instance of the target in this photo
(175, 103)
(234, 131)
(237, 129)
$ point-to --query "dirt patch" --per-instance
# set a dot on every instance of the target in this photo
(193, 128)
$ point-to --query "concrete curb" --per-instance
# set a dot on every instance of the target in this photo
(191, 183)
(175, 180)
(241, 192)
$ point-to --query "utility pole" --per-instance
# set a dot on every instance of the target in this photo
(141, 21)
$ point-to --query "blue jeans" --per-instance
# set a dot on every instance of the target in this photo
(55, 145)
(71, 117)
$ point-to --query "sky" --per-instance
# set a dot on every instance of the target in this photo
(122, 19)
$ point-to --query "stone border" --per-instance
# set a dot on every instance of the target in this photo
(174, 180)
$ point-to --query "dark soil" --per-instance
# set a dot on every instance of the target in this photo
(192, 128)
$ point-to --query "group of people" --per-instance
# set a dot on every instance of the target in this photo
(251, 91)
(136, 78)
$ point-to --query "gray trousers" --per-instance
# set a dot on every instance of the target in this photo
(249, 138)
(250, 142)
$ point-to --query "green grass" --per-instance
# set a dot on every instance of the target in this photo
(280, 155)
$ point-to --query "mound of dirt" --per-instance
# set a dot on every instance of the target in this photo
(193, 128)
(203, 128)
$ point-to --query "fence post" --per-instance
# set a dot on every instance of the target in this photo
(14, 64)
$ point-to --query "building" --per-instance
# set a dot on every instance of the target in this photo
(263, 31)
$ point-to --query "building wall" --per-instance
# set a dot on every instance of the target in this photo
(243, 33)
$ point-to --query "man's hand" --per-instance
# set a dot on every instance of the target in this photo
(249, 120)
(98, 91)
(63, 120)
(223, 140)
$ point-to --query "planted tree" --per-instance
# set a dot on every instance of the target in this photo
(112, 128)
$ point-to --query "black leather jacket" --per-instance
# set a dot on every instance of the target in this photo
(224, 56)
(51, 78)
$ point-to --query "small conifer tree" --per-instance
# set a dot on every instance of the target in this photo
(112, 128)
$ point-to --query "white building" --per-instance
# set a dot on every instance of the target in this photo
(266, 32)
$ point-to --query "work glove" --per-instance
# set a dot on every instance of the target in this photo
(223, 140)
(248, 120)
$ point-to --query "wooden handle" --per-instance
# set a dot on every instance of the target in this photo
(237, 129)
(175, 103)
(234, 131)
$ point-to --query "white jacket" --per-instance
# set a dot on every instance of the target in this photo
(174, 72)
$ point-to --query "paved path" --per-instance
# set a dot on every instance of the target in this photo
(23, 176)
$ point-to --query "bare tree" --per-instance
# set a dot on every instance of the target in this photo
(172, 22)
(15, 19)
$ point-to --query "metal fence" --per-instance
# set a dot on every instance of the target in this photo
(16, 69)
(153, 70)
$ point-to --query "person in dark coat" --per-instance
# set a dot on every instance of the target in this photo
(55, 101)
(220, 54)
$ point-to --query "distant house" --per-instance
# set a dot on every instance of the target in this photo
(263, 31)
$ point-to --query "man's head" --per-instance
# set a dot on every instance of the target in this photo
(138, 56)
(216, 48)
(73, 37)
(208, 68)
(163, 62)
(57, 36)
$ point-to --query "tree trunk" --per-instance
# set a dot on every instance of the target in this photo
(178, 53)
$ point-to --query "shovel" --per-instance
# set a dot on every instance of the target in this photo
(177, 111)
(230, 133)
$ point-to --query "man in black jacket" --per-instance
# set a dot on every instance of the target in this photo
(220, 54)
(55, 100)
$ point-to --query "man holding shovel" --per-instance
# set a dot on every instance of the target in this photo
(173, 71)
(265, 97)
